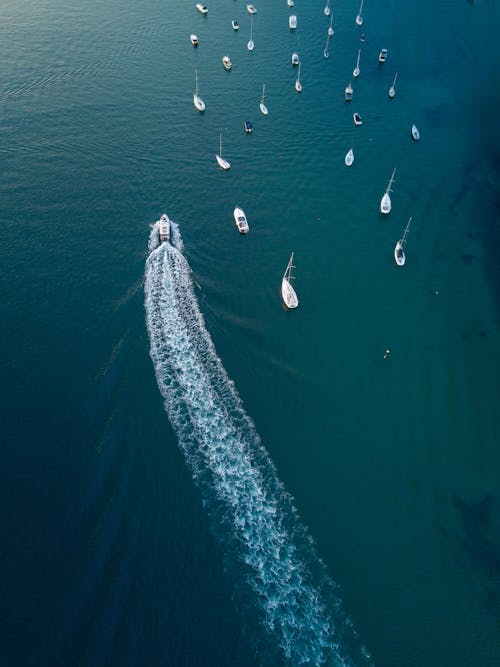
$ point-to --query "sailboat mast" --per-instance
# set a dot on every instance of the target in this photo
(391, 180)
(361, 7)
(196, 81)
(357, 62)
(406, 232)
(263, 92)
(220, 144)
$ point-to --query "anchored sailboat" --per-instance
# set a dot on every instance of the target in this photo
(223, 164)
(287, 292)
(251, 45)
(359, 18)
(263, 107)
(330, 27)
(399, 253)
(327, 10)
(355, 71)
(325, 50)
(198, 102)
(349, 158)
(385, 202)
(298, 85)
(392, 89)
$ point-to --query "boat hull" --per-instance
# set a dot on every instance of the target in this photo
(223, 164)
(385, 204)
(199, 104)
(399, 255)
(288, 294)
(240, 220)
(415, 133)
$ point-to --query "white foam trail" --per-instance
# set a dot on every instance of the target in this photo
(252, 511)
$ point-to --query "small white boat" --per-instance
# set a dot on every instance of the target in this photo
(226, 61)
(194, 40)
(235, 25)
(223, 164)
(330, 27)
(359, 18)
(382, 56)
(357, 118)
(415, 133)
(399, 253)
(327, 11)
(263, 107)
(198, 102)
(295, 58)
(326, 53)
(164, 228)
(292, 21)
(355, 71)
(203, 9)
(241, 220)
(251, 45)
(392, 89)
(287, 292)
(298, 85)
(349, 158)
(290, 3)
(348, 93)
(385, 202)
(251, 9)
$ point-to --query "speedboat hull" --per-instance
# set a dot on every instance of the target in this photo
(382, 57)
(240, 220)
(357, 119)
(248, 127)
(226, 61)
(251, 9)
(194, 40)
(164, 228)
(201, 8)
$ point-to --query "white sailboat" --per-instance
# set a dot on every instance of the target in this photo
(359, 18)
(325, 50)
(199, 104)
(263, 107)
(327, 10)
(290, 3)
(415, 133)
(251, 45)
(223, 164)
(287, 292)
(399, 253)
(355, 71)
(392, 89)
(349, 158)
(385, 202)
(298, 85)
(330, 27)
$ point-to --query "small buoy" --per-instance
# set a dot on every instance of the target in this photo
(387, 353)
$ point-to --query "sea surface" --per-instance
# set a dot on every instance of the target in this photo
(191, 475)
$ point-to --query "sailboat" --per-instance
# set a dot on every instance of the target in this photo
(223, 164)
(399, 253)
(330, 27)
(251, 45)
(359, 18)
(349, 158)
(385, 202)
(287, 292)
(327, 10)
(199, 104)
(355, 71)
(325, 50)
(392, 89)
(263, 107)
(298, 85)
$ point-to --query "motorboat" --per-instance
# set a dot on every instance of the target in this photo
(235, 25)
(251, 45)
(392, 89)
(363, 37)
(359, 18)
(298, 85)
(226, 61)
(223, 164)
(248, 127)
(290, 3)
(295, 58)
(357, 119)
(203, 9)
(385, 202)
(194, 40)
(198, 102)
(355, 71)
(264, 110)
(251, 9)
(348, 93)
(399, 253)
(241, 220)
(415, 133)
(349, 158)
(327, 11)
(292, 21)
(288, 294)
(164, 228)
(382, 56)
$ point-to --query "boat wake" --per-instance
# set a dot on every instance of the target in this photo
(268, 549)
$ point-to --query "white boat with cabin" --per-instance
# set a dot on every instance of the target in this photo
(288, 294)
(382, 56)
(263, 108)
(359, 18)
(223, 164)
(356, 70)
(226, 61)
(399, 253)
(295, 58)
(235, 25)
(357, 118)
(251, 9)
(193, 39)
(164, 228)
(348, 93)
(349, 158)
(298, 85)
(203, 9)
(251, 45)
(198, 102)
(385, 202)
(292, 21)
(241, 220)
(290, 3)
(327, 11)
(392, 89)
(415, 133)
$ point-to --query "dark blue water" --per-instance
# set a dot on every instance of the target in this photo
(117, 549)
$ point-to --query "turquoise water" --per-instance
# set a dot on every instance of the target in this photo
(112, 554)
